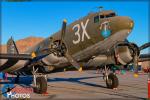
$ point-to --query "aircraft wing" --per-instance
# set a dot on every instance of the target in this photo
(31, 56)
(13, 53)
(16, 56)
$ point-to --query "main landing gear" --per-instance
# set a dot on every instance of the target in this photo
(111, 79)
(39, 82)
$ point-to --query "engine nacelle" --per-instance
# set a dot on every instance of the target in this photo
(125, 52)
(124, 55)
(53, 60)
(121, 54)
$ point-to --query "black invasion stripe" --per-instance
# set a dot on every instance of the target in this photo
(8, 64)
(23, 73)
(24, 70)
(19, 73)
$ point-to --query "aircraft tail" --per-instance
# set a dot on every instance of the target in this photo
(11, 47)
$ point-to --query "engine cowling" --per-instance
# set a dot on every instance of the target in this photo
(122, 53)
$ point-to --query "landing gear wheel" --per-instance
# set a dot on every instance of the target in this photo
(41, 85)
(112, 81)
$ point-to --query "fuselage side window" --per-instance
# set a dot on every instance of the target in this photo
(96, 19)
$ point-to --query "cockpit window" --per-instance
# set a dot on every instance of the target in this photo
(110, 15)
(96, 19)
(102, 16)
(113, 14)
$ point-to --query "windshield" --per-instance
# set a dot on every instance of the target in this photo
(108, 15)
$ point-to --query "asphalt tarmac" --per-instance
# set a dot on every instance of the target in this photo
(88, 85)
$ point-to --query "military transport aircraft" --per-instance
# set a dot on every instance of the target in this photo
(98, 39)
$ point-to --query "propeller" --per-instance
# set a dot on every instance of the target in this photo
(137, 57)
(67, 55)
(59, 49)
(73, 62)
(63, 31)
(39, 54)
(135, 64)
(144, 46)
(135, 53)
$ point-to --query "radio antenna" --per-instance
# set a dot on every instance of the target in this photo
(100, 8)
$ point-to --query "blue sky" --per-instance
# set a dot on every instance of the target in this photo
(42, 19)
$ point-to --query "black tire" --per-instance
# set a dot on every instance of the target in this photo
(112, 81)
(41, 85)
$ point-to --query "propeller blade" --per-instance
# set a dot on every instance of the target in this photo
(137, 59)
(135, 64)
(144, 57)
(144, 46)
(42, 53)
(73, 62)
(67, 55)
(63, 31)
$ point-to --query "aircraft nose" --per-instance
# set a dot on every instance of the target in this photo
(128, 23)
(121, 23)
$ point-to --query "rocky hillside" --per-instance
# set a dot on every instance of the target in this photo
(24, 44)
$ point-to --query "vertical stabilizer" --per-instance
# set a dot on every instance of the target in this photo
(11, 47)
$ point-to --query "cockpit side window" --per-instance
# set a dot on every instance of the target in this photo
(113, 14)
(102, 16)
(96, 19)
(110, 15)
